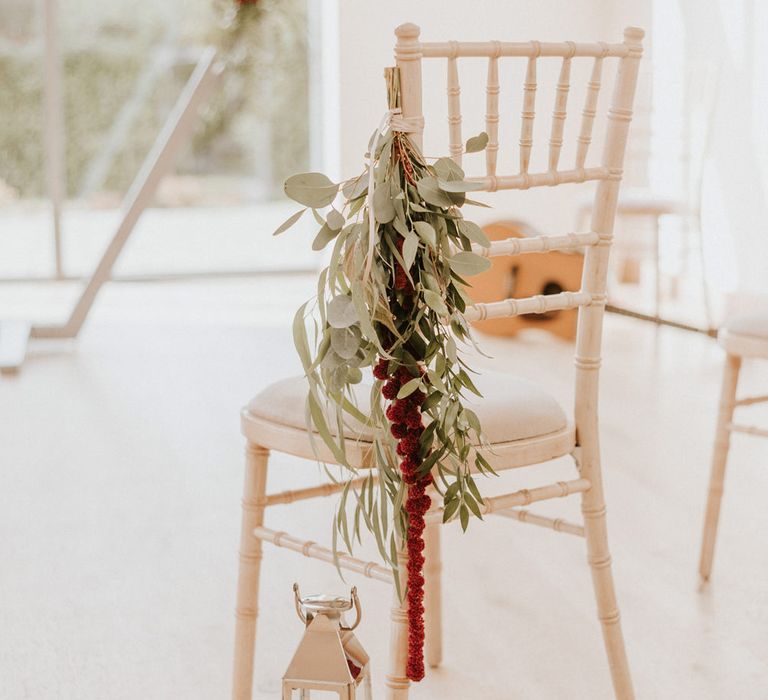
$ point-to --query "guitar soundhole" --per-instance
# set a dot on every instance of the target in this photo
(550, 287)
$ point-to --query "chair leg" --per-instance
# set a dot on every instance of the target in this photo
(433, 595)
(254, 489)
(599, 558)
(396, 680)
(719, 458)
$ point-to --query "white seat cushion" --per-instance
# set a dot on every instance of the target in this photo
(745, 335)
(511, 408)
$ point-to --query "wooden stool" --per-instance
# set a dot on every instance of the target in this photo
(743, 337)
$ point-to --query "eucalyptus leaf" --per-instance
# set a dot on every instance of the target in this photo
(324, 236)
(450, 350)
(311, 189)
(355, 187)
(460, 186)
(475, 203)
(450, 509)
(452, 491)
(331, 362)
(472, 231)
(474, 421)
(457, 198)
(345, 342)
(430, 282)
(436, 380)
(354, 375)
(448, 169)
(365, 322)
(290, 221)
(410, 248)
(474, 490)
(467, 382)
(464, 517)
(409, 387)
(432, 194)
(467, 264)
(427, 232)
(334, 220)
(341, 312)
(383, 209)
(300, 337)
(470, 501)
(476, 143)
(361, 186)
(400, 226)
(435, 302)
(451, 414)
(319, 422)
(431, 401)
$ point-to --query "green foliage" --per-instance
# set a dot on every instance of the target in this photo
(311, 189)
(358, 318)
(477, 143)
(254, 122)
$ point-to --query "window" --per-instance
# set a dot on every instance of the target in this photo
(123, 66)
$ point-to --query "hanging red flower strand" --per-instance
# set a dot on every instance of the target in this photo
(406, 426)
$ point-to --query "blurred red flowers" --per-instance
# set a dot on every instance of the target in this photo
(407, 426)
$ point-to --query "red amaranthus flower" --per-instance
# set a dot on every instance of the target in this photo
(407, 426)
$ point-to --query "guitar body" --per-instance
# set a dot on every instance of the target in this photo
(516, 276)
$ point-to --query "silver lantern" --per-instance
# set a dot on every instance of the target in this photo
(329, 656)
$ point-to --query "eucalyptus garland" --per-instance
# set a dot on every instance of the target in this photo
(395, 302)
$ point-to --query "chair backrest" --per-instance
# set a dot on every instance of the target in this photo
(410, 52)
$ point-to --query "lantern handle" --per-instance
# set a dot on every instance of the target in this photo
(297, 598)
(358, 610)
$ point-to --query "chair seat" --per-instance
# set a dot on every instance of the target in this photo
(746, 336)
(522, 422)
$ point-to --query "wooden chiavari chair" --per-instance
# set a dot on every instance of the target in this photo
(524, 425)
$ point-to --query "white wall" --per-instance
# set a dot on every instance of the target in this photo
(366, 45)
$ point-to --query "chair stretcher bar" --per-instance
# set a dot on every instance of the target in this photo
(750, 400)
(537, 244)
(539, 304)
(531, 49)
(529, 518)
(321, 491)
(313, 550)
(524, 181)
(524, 497)
(747, 430)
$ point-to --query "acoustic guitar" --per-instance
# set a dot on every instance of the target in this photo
(516, 276)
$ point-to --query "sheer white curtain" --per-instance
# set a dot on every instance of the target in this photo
(718, 48)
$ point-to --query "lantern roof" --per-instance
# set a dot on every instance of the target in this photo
(320, 656)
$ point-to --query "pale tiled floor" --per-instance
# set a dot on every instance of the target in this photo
(119, 505)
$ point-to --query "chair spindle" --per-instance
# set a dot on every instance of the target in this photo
(492, 113)
(559, 112)
(456, 147)
(589, 112)
(529, 110)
